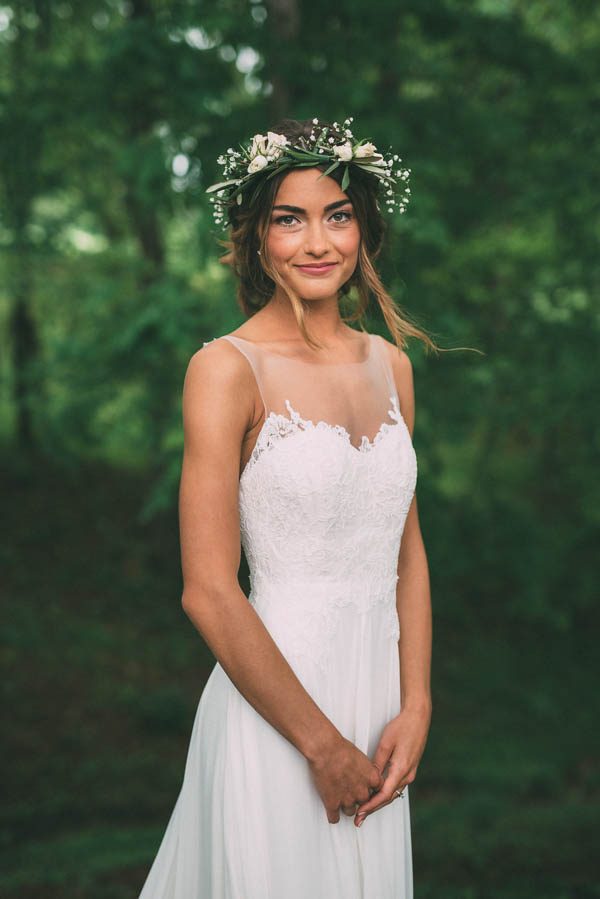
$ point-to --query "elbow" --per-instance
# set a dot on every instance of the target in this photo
(184, 601)
(191, 599)
(194, 605)
(199, 598)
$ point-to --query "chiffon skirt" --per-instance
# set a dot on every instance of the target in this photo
(249, 822)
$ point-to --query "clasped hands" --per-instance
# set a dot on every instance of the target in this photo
(346, 778)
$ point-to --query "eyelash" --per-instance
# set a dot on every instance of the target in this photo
(280, 219)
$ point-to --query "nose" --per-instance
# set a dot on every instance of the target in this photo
(316, 242)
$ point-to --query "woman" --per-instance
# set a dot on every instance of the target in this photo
(297, 435)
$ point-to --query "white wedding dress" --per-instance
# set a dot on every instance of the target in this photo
(323, 501)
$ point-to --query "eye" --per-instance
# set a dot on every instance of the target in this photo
(285, 220)
(342, 212)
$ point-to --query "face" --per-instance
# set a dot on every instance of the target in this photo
(313, 236)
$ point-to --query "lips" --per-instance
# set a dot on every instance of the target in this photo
(317, 269)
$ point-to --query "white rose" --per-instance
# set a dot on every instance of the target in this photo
(275, 145)
(344, 151)
(258, 163)
(277, 140)
(259, 145)
(365, 150)
(273, 151)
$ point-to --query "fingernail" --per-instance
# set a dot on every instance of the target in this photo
(360, 821)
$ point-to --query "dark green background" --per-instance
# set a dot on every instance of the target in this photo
(112, 115)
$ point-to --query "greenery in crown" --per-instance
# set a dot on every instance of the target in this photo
(247, 169)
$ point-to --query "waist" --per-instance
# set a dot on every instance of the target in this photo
(359, 588)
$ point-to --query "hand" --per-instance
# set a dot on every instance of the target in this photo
(400, 749)
(344, 777)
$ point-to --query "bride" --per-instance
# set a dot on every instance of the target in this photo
(297, 444)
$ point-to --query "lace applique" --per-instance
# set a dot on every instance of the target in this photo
(277, 425)
(365, 444)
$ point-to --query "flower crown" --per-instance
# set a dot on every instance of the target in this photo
(246, 171)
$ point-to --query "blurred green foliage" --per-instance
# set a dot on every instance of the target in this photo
(112, 115)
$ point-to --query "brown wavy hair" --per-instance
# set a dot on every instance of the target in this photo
(257, 278)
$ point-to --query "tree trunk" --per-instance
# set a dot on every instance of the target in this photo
(284, 20)
(19, 189)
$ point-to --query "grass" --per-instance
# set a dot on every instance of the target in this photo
(102, 673)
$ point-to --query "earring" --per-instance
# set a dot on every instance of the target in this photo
(258, 251)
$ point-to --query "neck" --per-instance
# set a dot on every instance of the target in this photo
(322, 317)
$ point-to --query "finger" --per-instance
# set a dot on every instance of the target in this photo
(380, 782)
(361, 816)
(382, 756)
(375, 779)
(372, 805)
(386, 793)
(333, 815)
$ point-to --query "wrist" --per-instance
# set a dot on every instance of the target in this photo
(320, 743)
(417, 705)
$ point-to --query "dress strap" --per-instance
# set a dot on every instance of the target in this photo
(253, 355)
(384, 357)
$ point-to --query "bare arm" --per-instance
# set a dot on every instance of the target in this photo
(218, 408)
(413, 594)
(403, 739)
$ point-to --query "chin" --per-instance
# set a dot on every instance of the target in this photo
(316, 289)
(317, 293)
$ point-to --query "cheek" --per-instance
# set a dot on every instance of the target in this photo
(348, 241)
(281, 244)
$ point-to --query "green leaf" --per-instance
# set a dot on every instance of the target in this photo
(329, 170)
(301, 154)
(221, 184)
(369, 167)
(279, 168)
(346, 178)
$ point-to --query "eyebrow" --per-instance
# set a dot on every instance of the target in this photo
(328, 208)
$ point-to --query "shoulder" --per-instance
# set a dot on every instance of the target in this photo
(218, 381)
(402, 369)
(399, 359)
(220, 361)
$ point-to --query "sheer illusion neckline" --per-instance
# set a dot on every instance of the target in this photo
(277, 425)
(261, 348)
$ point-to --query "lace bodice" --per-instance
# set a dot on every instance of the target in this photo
(324, 496)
